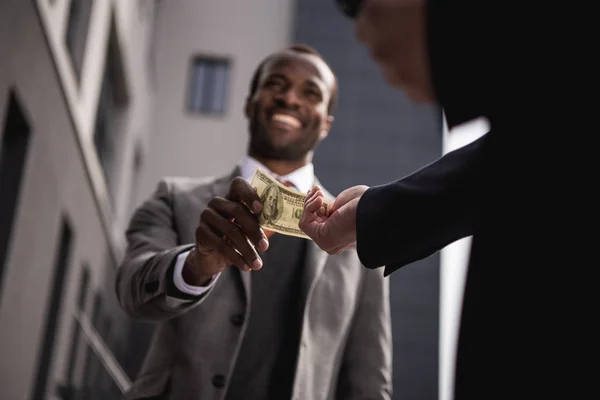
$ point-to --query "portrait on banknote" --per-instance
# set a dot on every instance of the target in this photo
(272, 202)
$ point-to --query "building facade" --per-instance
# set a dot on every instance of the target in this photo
(74, 106)
(99, 99)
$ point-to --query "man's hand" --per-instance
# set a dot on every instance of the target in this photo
(227, 234)
(395, 35)
(336, 231)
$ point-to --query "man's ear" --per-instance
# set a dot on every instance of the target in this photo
(326, 127)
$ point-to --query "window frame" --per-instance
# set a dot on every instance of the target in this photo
(191, 85)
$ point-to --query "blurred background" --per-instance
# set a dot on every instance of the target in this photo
(99, 99)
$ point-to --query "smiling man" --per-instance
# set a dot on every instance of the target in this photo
(247, 314)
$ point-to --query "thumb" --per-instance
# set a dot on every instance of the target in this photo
(348, 195)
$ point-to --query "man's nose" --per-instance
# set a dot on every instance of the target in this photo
(289, 97)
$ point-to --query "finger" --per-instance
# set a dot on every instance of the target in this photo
(206, 239)
(314, 205)
(310, 223)
(348, 195)
(316, 193)
(234, 234)
(339, 202)
(309, 196)
(241, 191)
(308, 216)
(318, 190)
(319, 193)
(230, 249)
(309, 200)
(243, 217)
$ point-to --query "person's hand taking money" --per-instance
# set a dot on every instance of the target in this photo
(336, 231)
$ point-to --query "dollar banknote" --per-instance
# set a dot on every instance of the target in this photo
(282, 206)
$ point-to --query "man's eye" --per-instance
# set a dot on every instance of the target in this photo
(314, 94)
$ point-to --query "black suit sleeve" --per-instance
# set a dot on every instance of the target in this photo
(405, 221)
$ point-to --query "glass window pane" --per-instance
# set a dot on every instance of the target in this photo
(208, 86)
(197, 86)
(220, 87)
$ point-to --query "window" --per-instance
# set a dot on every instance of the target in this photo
(102, 370)
(100, 374)
(70, 389)
(208, 85)
(13, 154)
(60, 269)
(93, 366)
(104, 131)
(75, 339)
(77, 29)
(111, 108)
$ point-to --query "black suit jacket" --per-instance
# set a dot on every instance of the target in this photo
(522, 194)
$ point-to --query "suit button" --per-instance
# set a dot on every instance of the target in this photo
(218, 381)
(237, 319)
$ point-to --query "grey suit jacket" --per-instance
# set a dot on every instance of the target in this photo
(346, 344)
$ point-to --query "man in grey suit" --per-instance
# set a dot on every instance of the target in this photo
(236, 321)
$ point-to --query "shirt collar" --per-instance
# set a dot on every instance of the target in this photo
(303, 178)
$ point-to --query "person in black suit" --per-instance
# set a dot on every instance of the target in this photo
(522, 303)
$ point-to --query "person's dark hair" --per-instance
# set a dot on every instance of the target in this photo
(296, 48)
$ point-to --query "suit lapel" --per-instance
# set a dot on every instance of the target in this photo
(220, 188)
(315, 259)
(313, 266)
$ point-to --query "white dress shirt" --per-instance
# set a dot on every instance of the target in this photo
(303, 180)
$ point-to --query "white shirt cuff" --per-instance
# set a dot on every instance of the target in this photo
(182, 285)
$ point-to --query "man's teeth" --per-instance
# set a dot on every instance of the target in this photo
(287, 119)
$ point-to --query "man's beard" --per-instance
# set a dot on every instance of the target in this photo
(262, 145)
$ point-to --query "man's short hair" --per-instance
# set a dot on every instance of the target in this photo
(301, 49)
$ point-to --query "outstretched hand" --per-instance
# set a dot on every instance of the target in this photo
(228, 233)
(336, 231)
